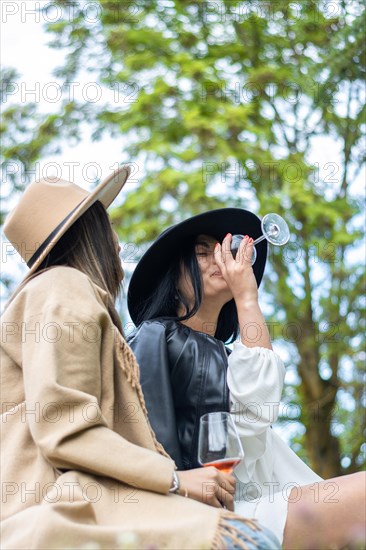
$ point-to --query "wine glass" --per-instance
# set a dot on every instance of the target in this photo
(274, 229)
(219, 444)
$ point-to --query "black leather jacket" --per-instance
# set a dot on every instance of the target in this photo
(183, 376)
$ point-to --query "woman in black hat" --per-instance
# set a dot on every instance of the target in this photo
(188, 298)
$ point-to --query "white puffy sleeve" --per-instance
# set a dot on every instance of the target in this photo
(255, 380)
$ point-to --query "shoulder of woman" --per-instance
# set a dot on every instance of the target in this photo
(158, 327)
(58, 280)
(59, 286)
(149, 326)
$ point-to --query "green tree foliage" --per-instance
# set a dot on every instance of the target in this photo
(223, 103)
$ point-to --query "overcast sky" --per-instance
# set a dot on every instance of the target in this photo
(24, 47)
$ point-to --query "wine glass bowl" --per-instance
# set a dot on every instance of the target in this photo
(235, 243)
(219, 444)
(274, 229)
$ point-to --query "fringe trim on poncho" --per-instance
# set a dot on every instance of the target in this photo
(131, 369)
(237, 538)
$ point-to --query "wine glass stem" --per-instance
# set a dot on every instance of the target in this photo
(261, 238)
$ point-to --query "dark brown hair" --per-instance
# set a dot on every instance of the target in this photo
(89, 246)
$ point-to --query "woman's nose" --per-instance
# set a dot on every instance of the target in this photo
(214, 254)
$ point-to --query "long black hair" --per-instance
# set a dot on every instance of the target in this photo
(165, 300)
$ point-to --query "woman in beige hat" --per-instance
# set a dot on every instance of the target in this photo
(80, 462)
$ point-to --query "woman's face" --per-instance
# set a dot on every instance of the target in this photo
(214, 285)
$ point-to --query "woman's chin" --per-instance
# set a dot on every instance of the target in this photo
(224, 294)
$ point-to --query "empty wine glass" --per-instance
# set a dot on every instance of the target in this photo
(274, 229)
(219, 444)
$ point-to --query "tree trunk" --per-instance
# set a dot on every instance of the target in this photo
(319, 398)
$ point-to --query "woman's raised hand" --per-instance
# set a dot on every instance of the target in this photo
(238, 272)
(239, 276)
(208, 485)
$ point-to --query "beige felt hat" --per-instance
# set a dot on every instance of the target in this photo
(47, 209)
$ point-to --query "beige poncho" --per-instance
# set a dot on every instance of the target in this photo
(80, 463)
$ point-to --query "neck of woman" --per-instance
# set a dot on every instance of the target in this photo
(205, 320)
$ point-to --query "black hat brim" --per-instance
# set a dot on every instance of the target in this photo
(217, 223)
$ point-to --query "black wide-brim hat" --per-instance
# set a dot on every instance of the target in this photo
(216, 223)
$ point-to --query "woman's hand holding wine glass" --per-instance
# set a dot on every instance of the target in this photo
(219, 451)
(208, 485)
